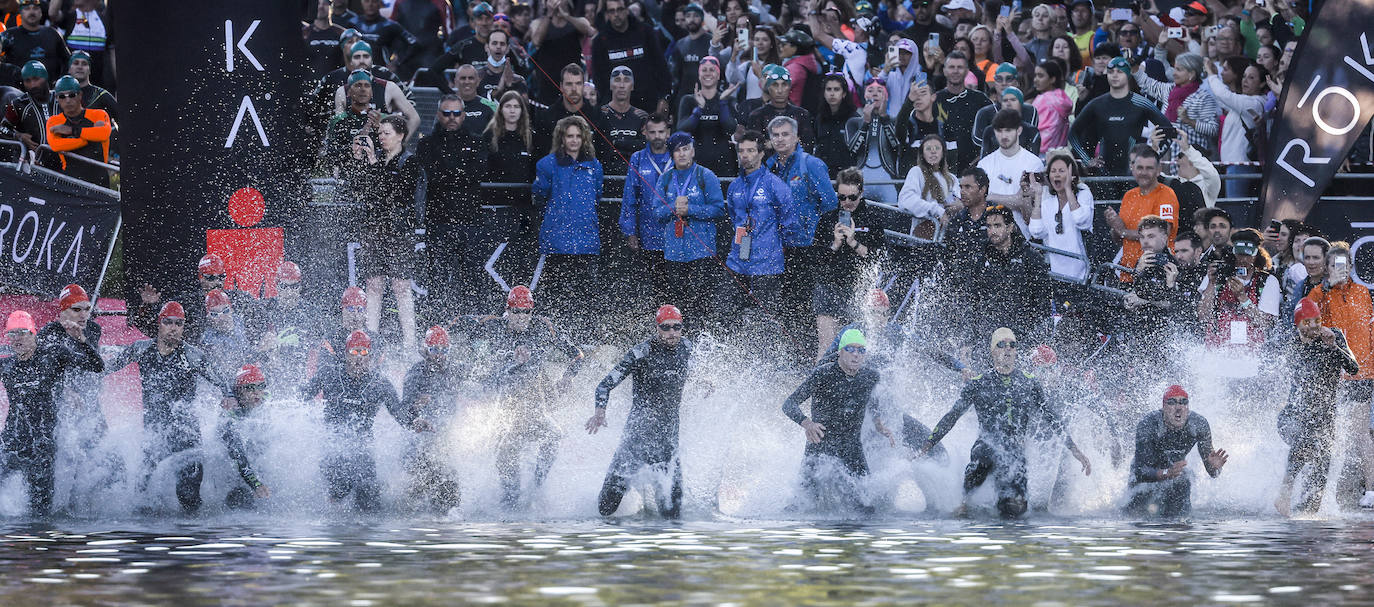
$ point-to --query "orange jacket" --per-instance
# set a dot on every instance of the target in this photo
(88, 134)
(1348, 308)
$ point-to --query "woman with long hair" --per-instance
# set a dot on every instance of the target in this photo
(1061, 213)
(387, 186)
(1187, 103)
(930, 191)
(1052, 104)
(567, 186)
(1240, 92)
(835, 110)
(982, 60)
(510, 159)
(746, 66)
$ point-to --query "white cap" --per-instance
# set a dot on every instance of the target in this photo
(955, 5)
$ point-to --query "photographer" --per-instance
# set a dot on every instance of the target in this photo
(1061, 212)
(387, 184)
(1157, 303)
(850, 241)
(358, 121)
(1240, 301)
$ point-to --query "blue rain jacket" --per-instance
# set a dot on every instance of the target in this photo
(568, 190)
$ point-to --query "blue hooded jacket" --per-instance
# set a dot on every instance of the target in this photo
(569, 190)
(703, 208)
(812, 194)
(762, 202)
(636, 207)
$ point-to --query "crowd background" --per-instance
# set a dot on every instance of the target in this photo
(1083, 174)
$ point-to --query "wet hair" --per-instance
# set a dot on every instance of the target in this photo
(850, 176)
(1153, 222)
(1006, 119)
(979, 176)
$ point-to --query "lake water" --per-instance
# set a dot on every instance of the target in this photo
(636, 561)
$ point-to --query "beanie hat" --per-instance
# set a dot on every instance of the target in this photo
(360, 47)
(359, 76)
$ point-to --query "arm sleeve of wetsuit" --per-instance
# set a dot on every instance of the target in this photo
(410, 393)
(126, 357)
(618, 374)
(233, 443)
(85, 357)
(1204, 447)
(728, 123)
(1157, 117)
(792, 406)
(386, 396)
(1082, 133)
(957, 411)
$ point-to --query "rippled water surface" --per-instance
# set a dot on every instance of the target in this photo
(1047, 561)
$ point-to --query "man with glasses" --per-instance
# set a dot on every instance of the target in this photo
(1115, 120)
(250, 390)
(28, 443)
(1159, 483)
(429, 398)
(458, 235)
(1132, 44)
(353, 393)
(841, 394)
(777, 85)
(522, 345)
(225, 339)
(169, 370)
(850, 246)
(659, 366)
(1010, 404)
(352, 318)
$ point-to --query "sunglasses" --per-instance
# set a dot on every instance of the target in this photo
(437, 349)
(500, 18)
(855, 349)
(1176, 401)
(68, 95)
(288, 285)
(358, 351)
(217, 313)
(355, 308)
(673, 326)
(1003, 345)
(849, 196)
(253, 387)
(177, 322)
(452, 113)
(1059, 222)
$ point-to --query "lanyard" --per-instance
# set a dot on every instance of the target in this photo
(658, 170)
(683, 185)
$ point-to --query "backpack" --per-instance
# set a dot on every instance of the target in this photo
(812, 91)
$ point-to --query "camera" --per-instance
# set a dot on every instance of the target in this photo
(1163, 258)
(1225, 257)
(1176, 33)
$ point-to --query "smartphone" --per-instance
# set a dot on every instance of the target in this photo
(1016, 7)
(1340, 261)
(1040, 178)
(756, 54)
(1275, 225)
(742, 37)
(1005, 12)
(935, 37)
(1176, 33)
(846, 218)
(746, 246)
(1242, 273)
(1121, 14)
(892, 54)
(1259, 3)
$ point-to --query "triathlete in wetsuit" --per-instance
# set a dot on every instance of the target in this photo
(1006, 401)
(250, 389)
(659, 368)
(429, 397)
(27, 443)
(353, 392)
(840, 393)
(168, 369)
(1316, 357)
(1115, 120)
(1159, 484)
(522, 343)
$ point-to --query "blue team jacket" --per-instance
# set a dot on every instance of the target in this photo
(762, 202)
(809, 180)
(636, 216)
(568, 190)
(703, 208)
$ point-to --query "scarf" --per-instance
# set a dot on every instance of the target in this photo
(1176, 97)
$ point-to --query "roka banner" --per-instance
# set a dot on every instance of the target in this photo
(1326, 102)
(53, 232)
(215, 150)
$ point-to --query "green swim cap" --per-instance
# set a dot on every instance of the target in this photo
(853, 337)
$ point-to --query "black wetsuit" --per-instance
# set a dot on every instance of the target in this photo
(1116, 124)
(298, 331)
(1008, 406)
(651, 430)
(429, 391)
(1157, 447)
(623, 132)
(523, 396)
(350, 407)
(838, 402)
(28, 443)
(1308, 422)
(231, 432)
(169, 421)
